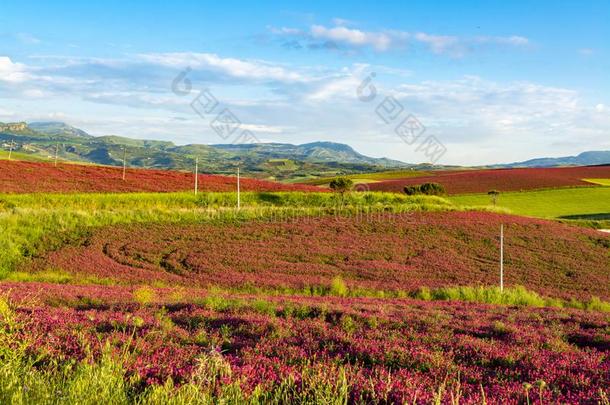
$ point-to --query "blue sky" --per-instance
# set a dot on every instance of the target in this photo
(492, 81)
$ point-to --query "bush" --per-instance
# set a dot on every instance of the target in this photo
(426, 189)
(338, 287)
(341, 184)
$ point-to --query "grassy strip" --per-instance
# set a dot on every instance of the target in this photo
(217, 297)
(34, 223)
(368, 177)
(518, 295)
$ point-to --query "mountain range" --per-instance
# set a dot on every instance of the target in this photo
(281, 161)
(266, 160)
(584, 159)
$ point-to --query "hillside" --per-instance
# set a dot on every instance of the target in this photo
(270, 161)
(396, 252)
(518, 179)
(36, 177)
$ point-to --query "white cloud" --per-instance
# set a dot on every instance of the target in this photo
(387, 40)
(378, 40)
(238, 68)
(12, 72)
(132, 96)
(437, 43)
(262, 128)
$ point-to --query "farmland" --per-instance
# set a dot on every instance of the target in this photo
(298, 297)
(236, 348)
(482, 181)
(376, 252)
(31, 177)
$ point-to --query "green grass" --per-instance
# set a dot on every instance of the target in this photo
(370, 177)
(34, 223)
(23, 156)
(572, 203)
(513, 296)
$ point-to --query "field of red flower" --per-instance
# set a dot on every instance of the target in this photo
(481, 181)
(383, 252)
(391, 351)
(32, 177)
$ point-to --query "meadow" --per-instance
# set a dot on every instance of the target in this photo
(571, 203)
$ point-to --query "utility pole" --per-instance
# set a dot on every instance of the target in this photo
(501, 257)
(238, 190)
(10, 149)
(196, 175)
(124, 162)
(56, 152)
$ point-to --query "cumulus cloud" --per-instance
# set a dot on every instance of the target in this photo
(378, 40)
(12, 72)
(132, 96)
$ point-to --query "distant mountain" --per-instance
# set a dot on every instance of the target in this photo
(265, 160)
(58, 128)
(315, 152)
(584, 159)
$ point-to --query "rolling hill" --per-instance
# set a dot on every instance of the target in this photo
(272, 160)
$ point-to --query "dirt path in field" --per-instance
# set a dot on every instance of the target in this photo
(605, 230)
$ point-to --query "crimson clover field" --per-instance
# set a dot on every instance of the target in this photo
(301, 296)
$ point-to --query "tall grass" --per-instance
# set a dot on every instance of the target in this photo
(218, 298)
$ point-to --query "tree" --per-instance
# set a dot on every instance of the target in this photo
(341, 184)
(494, 194)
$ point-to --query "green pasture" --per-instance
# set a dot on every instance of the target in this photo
(583, 203)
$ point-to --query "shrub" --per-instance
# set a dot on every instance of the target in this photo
(338, 287)
(341, 184)
(426, 189)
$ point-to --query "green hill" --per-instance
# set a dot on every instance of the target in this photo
(320, 159)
